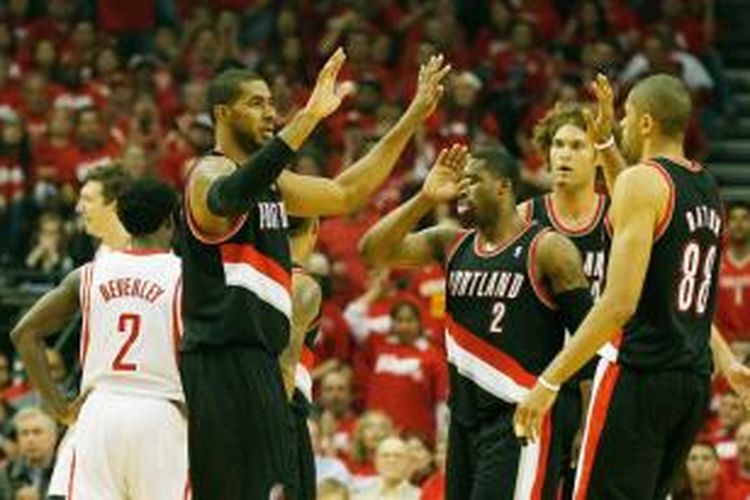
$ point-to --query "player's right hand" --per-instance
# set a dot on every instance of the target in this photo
(442, 183)
(328, 93)
(738, 376)
(429, 87)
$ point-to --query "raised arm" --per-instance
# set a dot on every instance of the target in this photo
(640, 199)
(315, 196)
(390, 242)
(601, 131)
(218, 192)
(306, 299)
(48, 315)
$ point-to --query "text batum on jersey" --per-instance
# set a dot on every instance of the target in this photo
(272, 215)
(496, 284)
(703, 216)
(131, 287)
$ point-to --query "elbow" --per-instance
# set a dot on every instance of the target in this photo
(364, 247)
(19, 337)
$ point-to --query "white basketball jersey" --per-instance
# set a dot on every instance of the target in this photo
(131, 330)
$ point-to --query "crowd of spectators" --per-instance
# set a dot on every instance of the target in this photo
(88, 83)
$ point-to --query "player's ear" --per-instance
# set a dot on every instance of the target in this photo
(646, 123)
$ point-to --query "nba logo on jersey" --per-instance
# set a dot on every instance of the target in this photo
(517, 251)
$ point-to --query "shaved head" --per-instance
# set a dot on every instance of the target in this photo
(667, 100)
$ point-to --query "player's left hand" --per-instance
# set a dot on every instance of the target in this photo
(328, 93)
(600, 126)
(530, 413)
(429, 87)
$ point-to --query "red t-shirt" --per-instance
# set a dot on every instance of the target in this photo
(733, 303)
(334, 340)
(406, 382)
(434, 487)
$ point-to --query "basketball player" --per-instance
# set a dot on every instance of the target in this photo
(237, 270)
(131, 434)
(297, 359)
(512, 289)
(97, 207)
(657, 306)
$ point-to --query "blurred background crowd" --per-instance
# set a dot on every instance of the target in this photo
(85, 83)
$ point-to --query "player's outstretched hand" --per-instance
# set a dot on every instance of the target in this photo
(738, 376)
(530, 413)
(601, 125)
(328, 93)
(429, 87)
(443, 182)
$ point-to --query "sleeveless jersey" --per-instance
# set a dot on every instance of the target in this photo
(131, 327)
(593, 241)
(238, 287)
(502, 329)
(671, 327)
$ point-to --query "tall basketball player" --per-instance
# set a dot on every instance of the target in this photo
(131, 434)
(657, 308)
(237, 269)
(513, 287)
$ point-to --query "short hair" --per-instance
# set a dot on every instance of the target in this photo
(298, 225)
(562, 114)
(32, 412)
(499, 162)
(707, 444)
(145, 206)
(667, 100)
(225, 88)
(113, 178)
(406, 304)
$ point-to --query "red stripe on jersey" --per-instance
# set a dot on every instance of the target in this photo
(203, 237)
(177, 318)
(594, 426)
(489, 354)
(307, 358)
(71, 476)
(661, 227)
(87, 278)
(560, 225)
(541, 468)
(539, 289)
(236, 253)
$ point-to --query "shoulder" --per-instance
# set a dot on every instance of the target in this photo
(208, 168)
(642, 182)
(552, 246)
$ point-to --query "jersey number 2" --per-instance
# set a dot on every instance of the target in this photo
(498, 313)
(692, 292)
(130, 325)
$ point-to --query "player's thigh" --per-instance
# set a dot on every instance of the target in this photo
(159, 465)
(622, 451)
(98, 454)
(459, 462)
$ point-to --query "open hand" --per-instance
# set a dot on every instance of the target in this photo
(530, 413)
(429, 87)
(328, 94)
(599, 127)
(442, 183)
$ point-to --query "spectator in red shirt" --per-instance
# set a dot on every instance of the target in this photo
(94, 145)
(408, 379)
(434, 487)
(733, 306)
(730, 415)
(737, 471)
(338, 418)
(705, 481)
(36, 101)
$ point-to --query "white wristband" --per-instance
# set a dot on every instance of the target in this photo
(547, 385)
(601, 146)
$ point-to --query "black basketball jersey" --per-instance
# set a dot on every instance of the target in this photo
(237, 289)
(502, 329)
(671, 327)
(593, 241)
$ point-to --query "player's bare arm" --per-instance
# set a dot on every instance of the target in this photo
(640, 200)
(50, 314)
(390, 242)
(559, 263)
(306, 300)
(600, 128)
(219, 192)
(316, 196)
